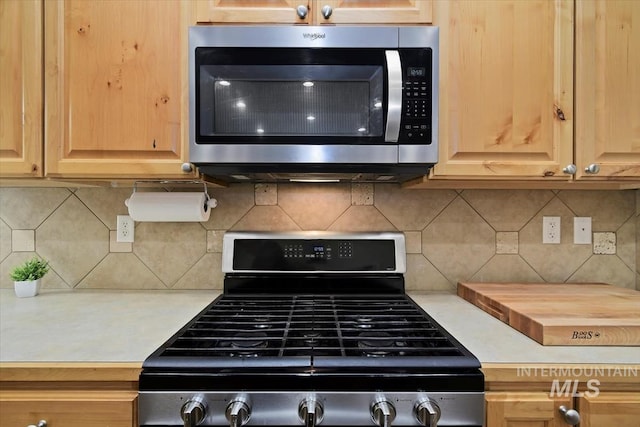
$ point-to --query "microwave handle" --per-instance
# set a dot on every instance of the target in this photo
(394, 105)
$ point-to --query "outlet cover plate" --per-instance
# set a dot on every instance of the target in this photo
(551, 229)
(125, 229)
(582, 230)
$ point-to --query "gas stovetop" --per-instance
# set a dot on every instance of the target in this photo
(312, 332)
(312, 328)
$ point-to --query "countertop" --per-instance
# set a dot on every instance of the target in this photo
(127, 326)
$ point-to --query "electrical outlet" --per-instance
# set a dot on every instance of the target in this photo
(125, 230)
(551, 229)
(582, 230)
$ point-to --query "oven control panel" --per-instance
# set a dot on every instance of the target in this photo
(291, 255)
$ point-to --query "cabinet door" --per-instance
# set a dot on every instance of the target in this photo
(21, 88)
(373, 12)
(243, 11)
(608, 88)
(116, 88)
(69, 409)
(610, 409)
(524, 409)
(506, 80)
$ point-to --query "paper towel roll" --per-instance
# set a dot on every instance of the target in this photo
(168, 207)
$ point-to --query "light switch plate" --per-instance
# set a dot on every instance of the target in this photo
(582, 230)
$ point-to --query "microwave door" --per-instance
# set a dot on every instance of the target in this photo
(394, 95)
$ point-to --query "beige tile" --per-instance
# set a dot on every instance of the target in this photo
(214, 240)
(233, 203)
(362, 194)
(423, 276)
(607, 269)
(266, 194)
(266, 218)
(170, 249)
(314, 206)
(506, 242)
(458, 242)
(637, 202)
(506, 268)
(604, 243)
(5, 240)
(206, 274)
(362, 218)
(608, 209)
(23, 240)
(638, 281)
(115, 246)
(557, 262)
(27, 208)
(73, 239)
(410, 209)
(626, 243)
(50, 281)
(106, 203)
(638, 244)
(121, 271)
(413, 241)
(507, 210)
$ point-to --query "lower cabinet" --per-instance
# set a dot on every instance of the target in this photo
(21, 408)
(610, 410)
(524, 409)
(527, 409)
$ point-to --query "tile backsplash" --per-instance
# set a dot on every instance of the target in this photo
(480, 235)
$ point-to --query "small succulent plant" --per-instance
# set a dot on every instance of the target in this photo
(32, 269)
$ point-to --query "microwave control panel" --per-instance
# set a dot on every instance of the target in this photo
(415, 124)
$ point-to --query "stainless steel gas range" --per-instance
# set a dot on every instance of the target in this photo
(313, 328)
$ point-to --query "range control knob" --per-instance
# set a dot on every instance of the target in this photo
(427, 412)
(193, 412)
(238, 412)
(383, 413)
(310, 412)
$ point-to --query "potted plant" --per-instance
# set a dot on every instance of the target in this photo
(27, 277)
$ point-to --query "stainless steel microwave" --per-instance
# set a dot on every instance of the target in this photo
(285, 103)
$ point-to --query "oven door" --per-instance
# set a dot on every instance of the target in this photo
(301, 95)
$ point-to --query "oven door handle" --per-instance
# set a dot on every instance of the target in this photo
(394, 94)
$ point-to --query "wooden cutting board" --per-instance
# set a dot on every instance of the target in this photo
(562, 314)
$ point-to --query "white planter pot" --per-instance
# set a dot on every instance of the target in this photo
(27, 288)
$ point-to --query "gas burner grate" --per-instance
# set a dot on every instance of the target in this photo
(333, 326)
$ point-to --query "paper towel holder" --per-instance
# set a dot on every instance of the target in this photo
(210, 201)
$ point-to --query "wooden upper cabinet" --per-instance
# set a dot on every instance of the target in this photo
(372, 11)
(608, 88)
(21, 88)
(317, 11)
(259, 11)
(506, 88)
(526, 409)
(610, 410)
(116, 96)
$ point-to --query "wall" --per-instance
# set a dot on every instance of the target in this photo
(451, 235)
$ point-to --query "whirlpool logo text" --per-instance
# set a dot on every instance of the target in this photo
(314, 36)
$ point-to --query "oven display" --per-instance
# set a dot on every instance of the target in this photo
(308, 255)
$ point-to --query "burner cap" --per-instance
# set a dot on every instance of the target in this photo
(245, 344)
(372, 343)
